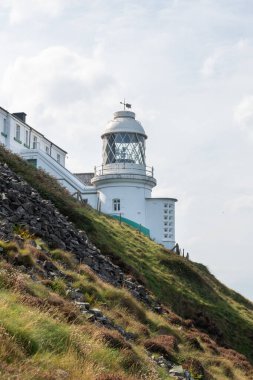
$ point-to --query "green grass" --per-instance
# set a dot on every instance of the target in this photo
(38, 336)
(31, 329)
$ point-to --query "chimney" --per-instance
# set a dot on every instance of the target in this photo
(20, 115)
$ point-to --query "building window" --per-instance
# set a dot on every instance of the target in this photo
(170, 217)
(170, 224)
(35, 142)
(116, 204)
(18, 132)
(47, 149)
(165, 223)
(165, 229)
(171, 229)
(171, 211)
(58, 158)
(165, 235)
(32, 162)
(165, 204)
(170, 206)
(170, 236)
(165, 217)
(165, 211)
(26, 137)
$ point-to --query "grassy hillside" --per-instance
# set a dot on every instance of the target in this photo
(45, 335)
(204, 318)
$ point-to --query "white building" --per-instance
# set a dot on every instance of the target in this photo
(124, 183)
(121, 186)
(34, 147)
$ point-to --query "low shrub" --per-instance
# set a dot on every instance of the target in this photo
(59, 286)
(114, 340)
(195, 368)
(162, 344)
(9, 246)
(64, 257)
(23, 232)
(125, 300)
(194, 343)
(132, 363)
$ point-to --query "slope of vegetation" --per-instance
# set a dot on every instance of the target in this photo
(45, 335)
(206, 319)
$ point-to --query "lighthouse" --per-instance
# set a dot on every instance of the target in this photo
(124, 182)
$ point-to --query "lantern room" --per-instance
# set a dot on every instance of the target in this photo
(124, 140)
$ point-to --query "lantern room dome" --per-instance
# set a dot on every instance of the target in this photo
(124, 121)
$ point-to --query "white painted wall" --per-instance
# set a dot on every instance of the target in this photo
(47, 163)
(91, 194)
(3, 139)
(17, 146)
(161, 218)
(44, 160)
(132, 199)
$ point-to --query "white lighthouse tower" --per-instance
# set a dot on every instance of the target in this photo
(124, 183)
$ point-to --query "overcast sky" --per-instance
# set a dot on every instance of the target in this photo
(186, 66)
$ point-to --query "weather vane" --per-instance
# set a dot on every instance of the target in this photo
(126, 105)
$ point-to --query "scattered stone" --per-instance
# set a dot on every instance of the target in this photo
(177, 370)
(49, 266)
(158, 309)
(83, 306)
(96, 312)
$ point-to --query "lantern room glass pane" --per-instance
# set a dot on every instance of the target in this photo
(124, 148)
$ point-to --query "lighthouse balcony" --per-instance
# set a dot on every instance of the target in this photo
(124, 171)
(124, 168)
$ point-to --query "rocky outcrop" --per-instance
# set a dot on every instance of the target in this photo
(22, 206)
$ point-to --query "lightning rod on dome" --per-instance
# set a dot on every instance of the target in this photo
(126, 105)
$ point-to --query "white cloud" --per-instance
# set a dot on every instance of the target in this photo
(24, 10)
(239, 203)
(210, 64)
(61, 91)
(243, 113)
(56, 75)
(226, 57)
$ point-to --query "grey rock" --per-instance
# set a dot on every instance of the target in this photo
(49, 266)
(96, 312)
(84, 306)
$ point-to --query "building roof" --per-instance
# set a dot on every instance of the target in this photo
(124, 121)
(39, 133)
(85, 178)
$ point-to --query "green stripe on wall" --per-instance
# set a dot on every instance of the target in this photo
(133, 224)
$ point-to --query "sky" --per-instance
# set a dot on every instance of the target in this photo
(186, 66)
